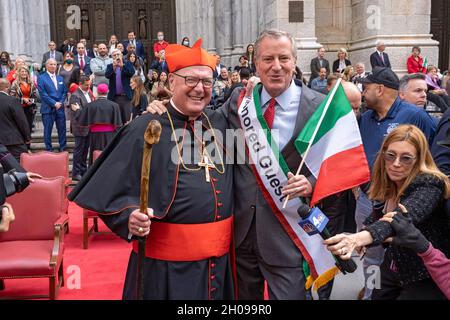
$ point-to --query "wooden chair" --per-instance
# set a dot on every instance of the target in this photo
(49, 165)
(87, 214)
(34, 245)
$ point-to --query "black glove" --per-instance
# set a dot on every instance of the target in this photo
(407, 235)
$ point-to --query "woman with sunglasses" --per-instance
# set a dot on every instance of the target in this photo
(404, 179)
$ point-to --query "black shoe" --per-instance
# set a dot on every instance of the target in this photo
(77, 178)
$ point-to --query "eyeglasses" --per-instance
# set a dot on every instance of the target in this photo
(404, 159)
(192, 82)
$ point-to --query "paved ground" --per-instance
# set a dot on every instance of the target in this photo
(347, 287)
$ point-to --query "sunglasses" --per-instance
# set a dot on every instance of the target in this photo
(405, 160)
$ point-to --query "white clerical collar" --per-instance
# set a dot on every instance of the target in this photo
(283, 100)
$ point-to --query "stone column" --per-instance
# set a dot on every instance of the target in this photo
(224, 32)
(25, 28)
(401, 24)
(304, 32)
(238, 25)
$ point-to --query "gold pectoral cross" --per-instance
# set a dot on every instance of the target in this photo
(206, 164)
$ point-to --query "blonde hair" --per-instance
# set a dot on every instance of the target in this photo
(382, 187)
(342, 50)
(346, 73)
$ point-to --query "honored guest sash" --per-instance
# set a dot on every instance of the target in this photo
(270, 170)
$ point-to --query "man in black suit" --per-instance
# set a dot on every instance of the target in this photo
(380, 58)
(69, 45)
(219, 67)
(14, 130)
(318, 63)
(81, 97)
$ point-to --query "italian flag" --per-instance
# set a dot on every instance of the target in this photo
(331, 147)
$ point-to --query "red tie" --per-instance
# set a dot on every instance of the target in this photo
(81, 63)
(269, 115)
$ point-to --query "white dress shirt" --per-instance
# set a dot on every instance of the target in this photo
(286, 112)
(55, 81)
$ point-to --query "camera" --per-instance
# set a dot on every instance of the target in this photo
(11, 183)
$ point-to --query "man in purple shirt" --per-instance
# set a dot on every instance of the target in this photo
(119, 74)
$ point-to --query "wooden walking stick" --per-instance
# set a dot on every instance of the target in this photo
(151, 137)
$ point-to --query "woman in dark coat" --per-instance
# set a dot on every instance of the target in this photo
(405, 179)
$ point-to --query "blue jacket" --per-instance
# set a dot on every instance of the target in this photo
(127, 72)
(140, 50)
(48, 93)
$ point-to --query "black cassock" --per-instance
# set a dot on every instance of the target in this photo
(176, 195)
(100, 112)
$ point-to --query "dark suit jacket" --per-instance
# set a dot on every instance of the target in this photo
(127, 73)
(14, 129)
(275, 246)
(336, 65)
(140, 51)
(315, 67)
(375, 60)
(48, 93)
(75, 127)
(216, 74)
(64, 48)
(87, 64)
(58, 56)
(441, 155)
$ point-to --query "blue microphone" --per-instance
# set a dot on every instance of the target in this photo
(313, 222)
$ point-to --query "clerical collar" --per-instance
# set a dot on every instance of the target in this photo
(175, 112)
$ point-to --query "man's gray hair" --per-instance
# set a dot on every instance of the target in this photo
(275, 34)
(50, 60)
(403, 86)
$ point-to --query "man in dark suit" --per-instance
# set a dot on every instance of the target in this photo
(83, 61)
(318, 63)
(69, 45)
(380, 58)
(53, 92)
(14, 130)
(81, 97)
(219, 67)
(264, 250)
(119, 74)
(140, 51)
(52, 53)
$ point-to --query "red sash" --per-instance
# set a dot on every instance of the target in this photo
(188, 242)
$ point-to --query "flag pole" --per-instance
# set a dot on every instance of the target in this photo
(327, 106)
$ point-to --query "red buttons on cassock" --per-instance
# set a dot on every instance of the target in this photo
(213, 289)
(213, 277)
(220, 204)
(215, 180)
(219, 192)
(213, 265)
(219, 217)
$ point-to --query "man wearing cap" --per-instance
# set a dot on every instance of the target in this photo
(101, 118)
(386, 112)
(189, 225)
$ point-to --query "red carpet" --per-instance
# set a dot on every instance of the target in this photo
(102, 267)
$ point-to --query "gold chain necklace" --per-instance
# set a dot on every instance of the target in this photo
(205, 152)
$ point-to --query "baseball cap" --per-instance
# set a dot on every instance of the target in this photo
(382, 75)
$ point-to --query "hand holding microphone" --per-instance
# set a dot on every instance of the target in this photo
(314, 222)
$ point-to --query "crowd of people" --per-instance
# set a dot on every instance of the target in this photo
(404, 126)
